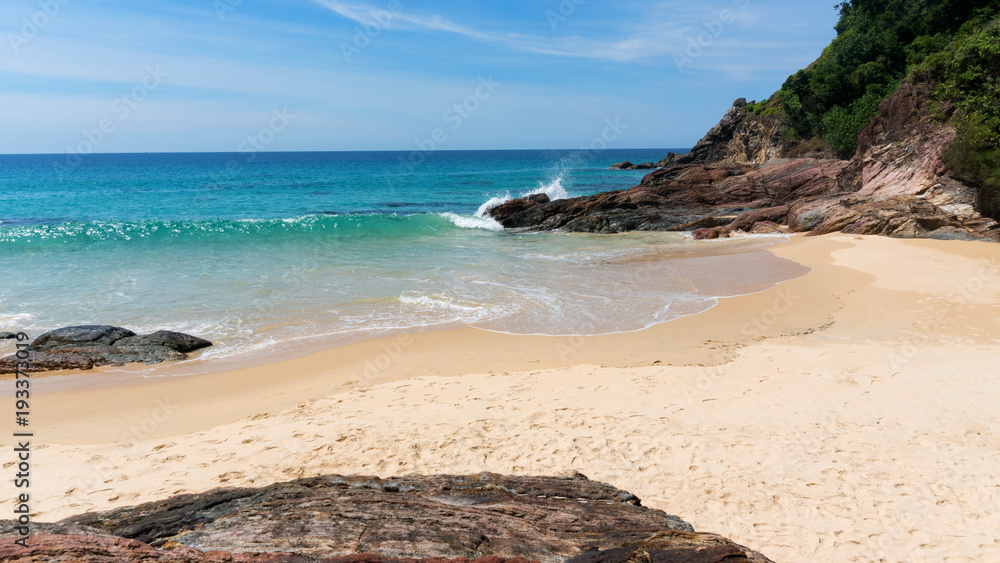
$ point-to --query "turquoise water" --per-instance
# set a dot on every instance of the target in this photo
(261, 253)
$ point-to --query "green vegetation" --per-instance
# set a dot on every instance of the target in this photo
(967, 74)
(878, 44)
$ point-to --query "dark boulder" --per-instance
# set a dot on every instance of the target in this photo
(90, 346)
(50, 548)
(626, 165)
(85, 335)
(177, 341)
(367, 519)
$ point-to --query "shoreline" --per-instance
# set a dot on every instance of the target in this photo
(720, 252)
(79, 396)
(848, 414)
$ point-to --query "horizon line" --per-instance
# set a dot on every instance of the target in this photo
(671, 149)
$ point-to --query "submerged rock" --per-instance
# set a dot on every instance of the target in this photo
(626, 165)
(89, 346)
(334, 518)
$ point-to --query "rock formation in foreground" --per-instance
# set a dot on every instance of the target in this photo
(895, 185)
(335, 518)
(90, 346)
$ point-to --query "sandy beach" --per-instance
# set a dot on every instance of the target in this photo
(847, 415)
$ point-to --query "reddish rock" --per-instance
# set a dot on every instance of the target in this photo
(896, 185)
(105, 549)
(333, 518)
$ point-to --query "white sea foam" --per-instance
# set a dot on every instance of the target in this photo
(553, 189)
(466, 222)
(16, 318)
(482, 220)
(490, 204)
(437, 302)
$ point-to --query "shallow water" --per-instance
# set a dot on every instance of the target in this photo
(330, 248)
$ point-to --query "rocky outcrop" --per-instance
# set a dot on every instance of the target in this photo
(900, 153)
(626, 165)
(546, 519)
(896, 185)
(742, 137)
(681, 198)
(89, 346)
(900, 216)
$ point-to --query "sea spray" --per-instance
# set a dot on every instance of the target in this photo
(482, 219)
(554, 190)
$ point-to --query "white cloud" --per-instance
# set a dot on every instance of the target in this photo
(657, 40)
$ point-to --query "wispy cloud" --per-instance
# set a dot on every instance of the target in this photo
(656, 40)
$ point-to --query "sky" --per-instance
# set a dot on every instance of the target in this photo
(328, 75)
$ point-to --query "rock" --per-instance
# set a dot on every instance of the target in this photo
(767, 228)
(740, 137)
(683, 197)
(743, 137)
(99, 549)
(50, 361)
(672, 546)
(86, 335)
(900, 216)
(739, 177)
(90, 346)
(629, 166)
(177, 341)
(710, 233)
(546, 519)
(538, 198)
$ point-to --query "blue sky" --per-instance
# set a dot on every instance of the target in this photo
(207, 75)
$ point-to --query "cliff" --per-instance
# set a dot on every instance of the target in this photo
(739, 178)
(893, 130)
(745, 137)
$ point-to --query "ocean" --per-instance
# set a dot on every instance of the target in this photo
(268, 252)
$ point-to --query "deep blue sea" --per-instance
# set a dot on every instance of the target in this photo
(262, 252)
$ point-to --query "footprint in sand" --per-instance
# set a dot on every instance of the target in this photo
(226, 477)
